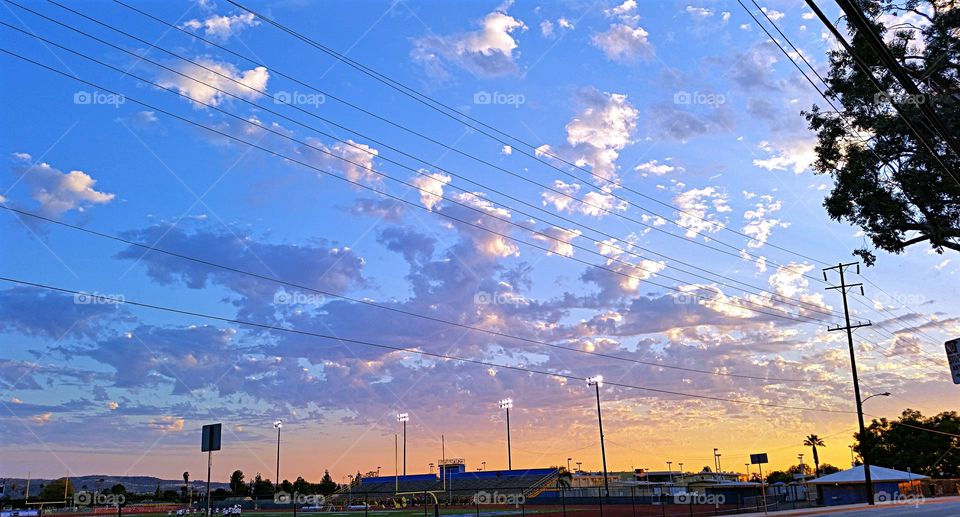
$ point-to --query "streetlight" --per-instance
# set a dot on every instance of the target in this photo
(853, 461)
(277, 425)
(681, 470)
(596, 382)
(403, 418)
(670, 471)
(802, 470)
(568, 464)
(378, 471)
(507, 404)
(884, 394)
(747, 465)
(578, 465)
(716, 462)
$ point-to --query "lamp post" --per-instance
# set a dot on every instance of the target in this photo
(507, 404)
(578, 465)
(716, 462)
(853, 460)
(884, 394)
(681, 470)
(278, 425)
(568, 464)
(596, 382)
(747, 466)
(670, 471)
(403, 418)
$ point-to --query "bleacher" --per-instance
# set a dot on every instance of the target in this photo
(459, 485)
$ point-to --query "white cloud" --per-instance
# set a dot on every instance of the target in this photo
(354, 160)
(624, 44)
(250, 80)
(558, 240)
(564, 23)
(507, 150)
(797, 154)
(655, 167)
(699, 12)
(59, 192)
(699, 209)
(431, 188)
(487, 52)
(598, 132)
(807, 15)
(222, 27)
(546, 28)
(759, 225)
(773, 14)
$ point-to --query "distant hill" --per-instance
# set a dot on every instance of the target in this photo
(14, 487)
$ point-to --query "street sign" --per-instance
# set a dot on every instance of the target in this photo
(757, 459)
(953, 357)
(211, 438)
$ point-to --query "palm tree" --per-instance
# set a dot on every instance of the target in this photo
(815, 441)
(564, 478)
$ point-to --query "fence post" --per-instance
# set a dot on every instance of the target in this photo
(476, 502)
(563, 499)
(366, 505)
(600, 500)
(633, 500)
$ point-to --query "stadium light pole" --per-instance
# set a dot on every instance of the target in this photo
(507, 404)
(403, 418)
(597, 381)
(277, 425)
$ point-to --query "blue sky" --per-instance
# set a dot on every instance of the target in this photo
(688, 103)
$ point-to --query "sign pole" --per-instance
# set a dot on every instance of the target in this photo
(763, 491)
(209, 468)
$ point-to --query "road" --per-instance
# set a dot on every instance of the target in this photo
(949, 507)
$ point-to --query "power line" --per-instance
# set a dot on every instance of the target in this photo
(150, 248)
(405, 201)
(366, 187)
(797, 303)
(534, 156)
(830, 102)
(400, 87)
(447, 357)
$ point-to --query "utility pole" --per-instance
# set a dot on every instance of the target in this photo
(843, 287)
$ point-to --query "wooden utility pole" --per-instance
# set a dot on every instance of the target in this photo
(843, 287)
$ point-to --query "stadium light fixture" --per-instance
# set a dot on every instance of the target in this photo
(597, 381)
(403, 418)
(278, 425)
(507, 404)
